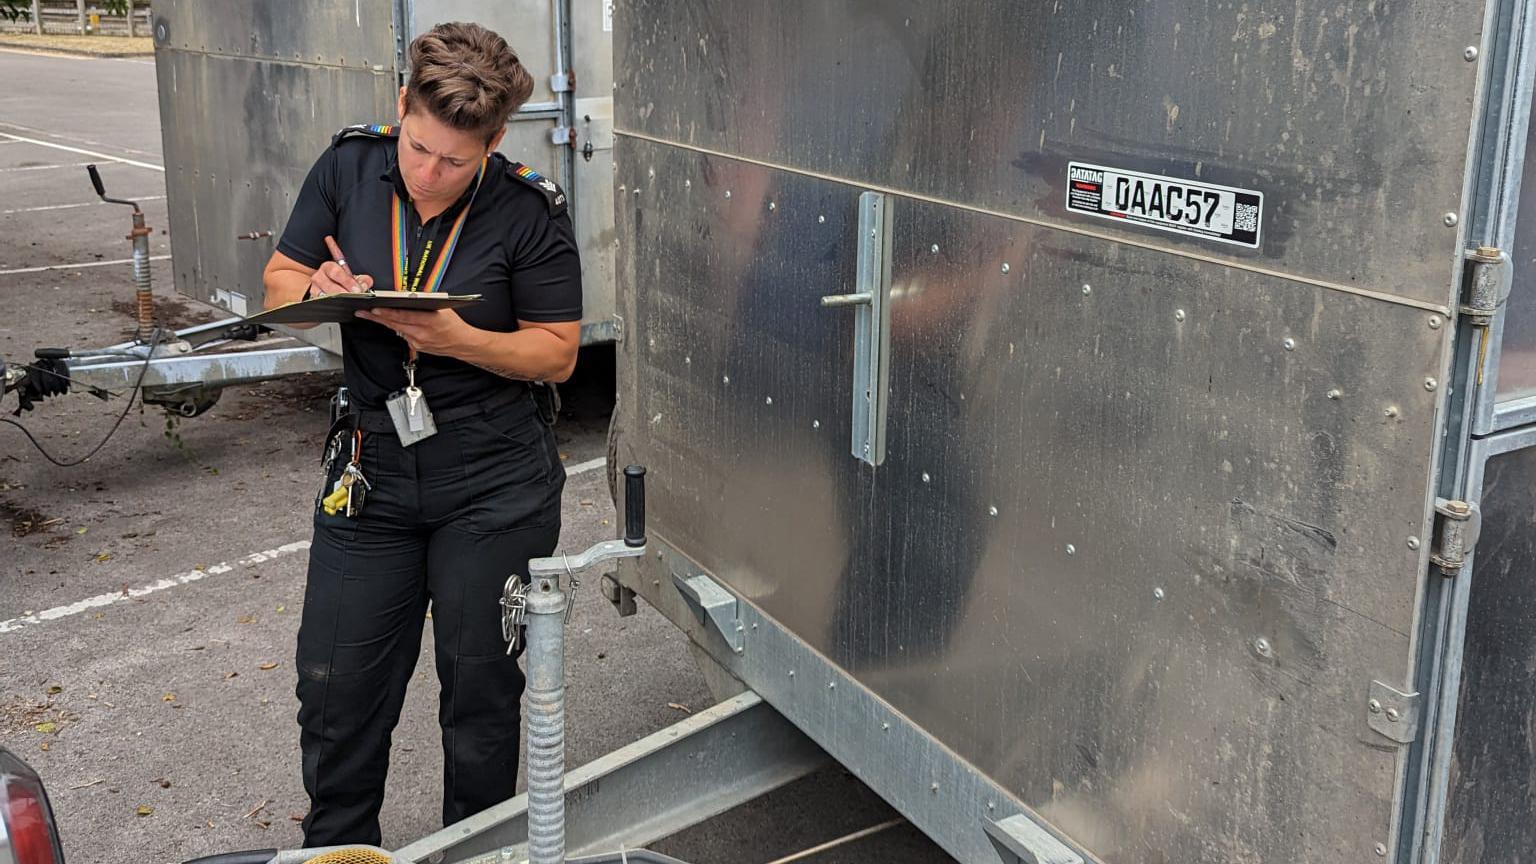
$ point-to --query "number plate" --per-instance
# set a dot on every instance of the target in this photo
(1202, 210)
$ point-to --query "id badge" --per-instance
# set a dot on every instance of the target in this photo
(411, 417)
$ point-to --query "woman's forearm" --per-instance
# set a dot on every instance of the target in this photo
(529, 354)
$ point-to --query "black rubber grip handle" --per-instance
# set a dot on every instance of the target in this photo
(101, 188)
(634, 506)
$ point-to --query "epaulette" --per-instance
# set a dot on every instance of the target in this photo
(365, 130)
(554, 196)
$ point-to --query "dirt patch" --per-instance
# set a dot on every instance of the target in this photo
(25, 521)
(173, 312)
(307, 393)
(87, 46)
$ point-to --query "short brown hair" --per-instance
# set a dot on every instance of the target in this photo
(468, 77)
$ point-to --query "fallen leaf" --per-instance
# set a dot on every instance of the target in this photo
(103, 556)
(683, 708)
(246, 619)
(267, 666)
(54, 688)
(282, 608)
(144, 810)
(79, 530)
(169, 697)
(231, 675)
(47, 727)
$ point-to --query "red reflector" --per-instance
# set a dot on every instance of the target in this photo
(28, 823)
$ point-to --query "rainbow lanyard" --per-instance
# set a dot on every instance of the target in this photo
(400, 217)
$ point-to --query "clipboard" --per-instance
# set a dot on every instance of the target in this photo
(341, 308)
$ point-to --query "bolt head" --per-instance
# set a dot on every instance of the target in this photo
(1381, 849)
(772, 206)
(1178, 314)
(1469, 53)
(992, 511)
(934, 248)
(1071, 550)
(1434, 322)
(1392, 715)
(1289, 343)
(1450, 220)
(725, 379)
(1335, 394)
(926, 478)
(727, 193)
(768, 400)
(821, 220)
(1374, 705)
(1413, 543)
(1087, 289)
(1262, 646)
(1005, 267)
(1391, 411)
(1157, 593)
(815, 424)
(1430, 384)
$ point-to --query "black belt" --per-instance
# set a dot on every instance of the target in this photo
(378, 420)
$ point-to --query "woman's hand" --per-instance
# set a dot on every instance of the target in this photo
(441, 332)
(332, 278)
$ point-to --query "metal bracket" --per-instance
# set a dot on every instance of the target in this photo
(1457, 526)
(565, 135)
(872, 327)
(562, 82)
(623, 599)
(712, 605)
(1019, 840)
(1393, 713)
(1489, 281)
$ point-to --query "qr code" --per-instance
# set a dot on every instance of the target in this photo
(1245, 218)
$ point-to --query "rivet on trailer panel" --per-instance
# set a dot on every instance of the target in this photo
(768, 400)
(1005, 266)
(687, 184)
(1157, 594)
(1469, 53)
(934, 248)
(926, 478)
(1381, 849)
(821, 220)
(772, 206)
(727, 193)
(1087, 289)
(1178, 315)
(1390, 411)
(687, 360)
(1430, 384)
(992, 511)
(1450, 220)
(1434, 322)
(1262, 646)
(1071, 550)
(1413, 543)
(1335, 393)
(1289, 344)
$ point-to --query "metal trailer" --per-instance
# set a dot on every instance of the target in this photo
(1079, 525)
(1107, 429)
(250, 94)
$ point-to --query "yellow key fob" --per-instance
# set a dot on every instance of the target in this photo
(335, 501)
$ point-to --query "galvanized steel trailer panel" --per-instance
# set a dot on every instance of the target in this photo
(1151, 527)
(250, 93)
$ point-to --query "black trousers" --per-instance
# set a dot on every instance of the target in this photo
(447, 521)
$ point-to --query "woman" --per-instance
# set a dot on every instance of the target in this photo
(452, 481)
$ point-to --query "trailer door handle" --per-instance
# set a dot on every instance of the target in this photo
(872, 328)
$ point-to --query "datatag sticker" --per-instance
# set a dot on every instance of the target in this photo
(1203, 210)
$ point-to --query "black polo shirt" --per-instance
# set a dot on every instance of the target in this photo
(517, 248)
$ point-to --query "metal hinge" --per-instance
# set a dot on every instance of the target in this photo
(1457, 526)
(1489, 279)
(1393, 713)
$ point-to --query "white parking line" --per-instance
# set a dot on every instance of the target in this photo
(43, 167)
(44, 207)
(21, 270)
(589, 465)
(98, 155)
(33, 618)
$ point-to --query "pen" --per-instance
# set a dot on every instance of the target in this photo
(341, 260)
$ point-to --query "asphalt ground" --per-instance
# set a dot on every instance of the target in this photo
(162, 720)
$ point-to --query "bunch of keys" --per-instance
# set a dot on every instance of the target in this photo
(514, 607)
(352, 489)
